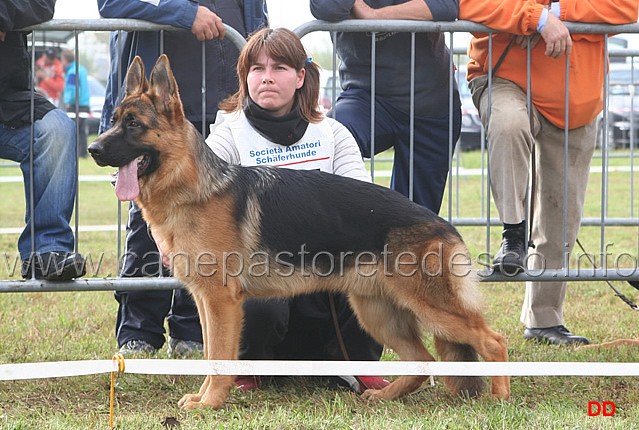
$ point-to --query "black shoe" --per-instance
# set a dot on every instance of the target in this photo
(54, 266)
(557, 335)
(512, 253)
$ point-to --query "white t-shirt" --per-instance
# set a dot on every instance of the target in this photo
(327, 146)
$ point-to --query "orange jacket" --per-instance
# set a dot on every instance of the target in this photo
(53, 82)
(520, 17)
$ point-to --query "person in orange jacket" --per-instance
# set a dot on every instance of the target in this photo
(512, 135)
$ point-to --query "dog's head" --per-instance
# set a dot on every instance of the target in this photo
(148, 114)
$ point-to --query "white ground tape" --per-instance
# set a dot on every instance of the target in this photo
(55, 369)
(317, 368)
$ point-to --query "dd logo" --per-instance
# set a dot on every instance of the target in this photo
(607, 409)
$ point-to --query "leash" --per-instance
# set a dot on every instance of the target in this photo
(342, 345)
(338, 332)
(502, 57)
(362, 385)
(625, 299)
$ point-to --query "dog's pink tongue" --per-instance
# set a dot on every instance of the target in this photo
(126, 184)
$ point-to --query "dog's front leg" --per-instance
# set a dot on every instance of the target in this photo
(201, 309)
(220, 312)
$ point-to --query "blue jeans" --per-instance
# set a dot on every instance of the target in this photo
(54, 180)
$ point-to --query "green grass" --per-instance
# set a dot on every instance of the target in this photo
(42, 327)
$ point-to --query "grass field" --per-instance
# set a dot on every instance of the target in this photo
(43, 327)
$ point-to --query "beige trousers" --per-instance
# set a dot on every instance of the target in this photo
(510, 142)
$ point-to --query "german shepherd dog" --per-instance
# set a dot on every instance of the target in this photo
(401, 266)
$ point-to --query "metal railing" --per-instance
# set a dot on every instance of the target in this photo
(461, 177)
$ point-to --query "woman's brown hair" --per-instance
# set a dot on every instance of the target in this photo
(284, 46)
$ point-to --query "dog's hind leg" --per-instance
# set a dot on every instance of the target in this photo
(459, 335)
(221, 318)
(398, 329)
(492, 347)
(470, 386)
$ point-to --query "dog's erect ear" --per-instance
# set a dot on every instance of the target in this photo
(135, 79)
(164, 89)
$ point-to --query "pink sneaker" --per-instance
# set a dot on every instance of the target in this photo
(372, 382)
(247, 383)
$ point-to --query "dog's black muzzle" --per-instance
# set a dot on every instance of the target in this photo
(97, 151)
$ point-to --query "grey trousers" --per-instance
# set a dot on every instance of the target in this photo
(511, 139)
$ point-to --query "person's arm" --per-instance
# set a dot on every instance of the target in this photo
(16, 14)
(220, 140)
(519, 17)
(555, 33)
(178, 13)
(187, 14)
(596, 11)
(557, 37)
(426, 10)
(348, 158)
(412, 9)
(332, 10)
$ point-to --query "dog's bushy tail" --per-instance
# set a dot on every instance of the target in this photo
(471, 386)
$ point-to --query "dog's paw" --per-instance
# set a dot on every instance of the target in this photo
(188, 398)
(372, 395)
(207, 400)
(190, 406)
(193, 405)
(500, 389)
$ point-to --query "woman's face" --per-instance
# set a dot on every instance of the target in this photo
(272, 85)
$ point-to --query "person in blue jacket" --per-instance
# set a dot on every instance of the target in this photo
(49, 254)
(141, 314)
(393, 90)
(69, 96)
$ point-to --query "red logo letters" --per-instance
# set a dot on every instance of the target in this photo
(607, 409)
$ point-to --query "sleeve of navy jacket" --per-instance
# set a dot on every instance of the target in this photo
(338, 10)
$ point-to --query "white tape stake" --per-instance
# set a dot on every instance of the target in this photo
(314, 368)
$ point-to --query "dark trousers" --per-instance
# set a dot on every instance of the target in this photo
(392, 129)
(302, 328)
(83, 128)
(141, 314)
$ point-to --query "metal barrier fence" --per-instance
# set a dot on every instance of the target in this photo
(615, 213)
